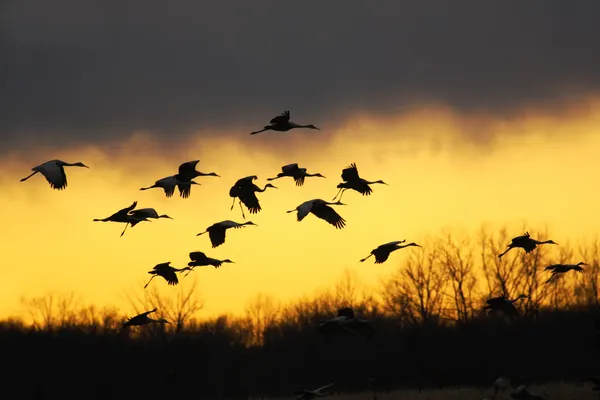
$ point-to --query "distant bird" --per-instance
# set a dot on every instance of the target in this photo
(382, 252)
(521, 393)
(168, 185)
(504, 305)
(526, 243)
(295, 172)
(347, 321)
(320, 209)
(143, 319)
(54, 172)
(166, 271)
(216, 232)
(199, 259)
(353, 181)
(562, 268)
(312, 394)
(282, 123)
(187, 172)
(244, 190)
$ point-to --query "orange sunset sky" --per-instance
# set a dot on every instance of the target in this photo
(472, 113)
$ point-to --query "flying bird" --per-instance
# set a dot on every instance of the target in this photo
(166, 271)
(141, 215)
(504, 305)
(382, 252)
(122, 216)
(143, 319)
(187, 172)
(353, 181)
(320, 209)
(299, 174)
(312, 394)
(199, 259)
(526, 243)
(244, 190)
(563, 268)
(347, 321)
(216, 232)
(282, 123)
(168, 184)
(54, 172)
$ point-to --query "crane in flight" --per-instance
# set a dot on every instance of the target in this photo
(563, 268)
(282, 123)
(504, 305)
(353, 181)
(187, 172)
(216, 232)
(167, 272)
(299, 174)
(320, 209)
(199, 259)
(143, 319)
(168, 185)
(347, 321)
(526, 243)
(245, 191)
(54, 172)
(312, 394)
(382, 252)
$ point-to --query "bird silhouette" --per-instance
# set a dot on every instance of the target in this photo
(199, 259)
(121, 216)
(353, 181)
(526, 243)
(168, 184)
(292, 170)
(245, 191)
(54, 172)
(187, 172)
(347, 321)
(282, 123)
(312, 394)
(320, 209)
(216, 232)
(166, 271)
(382, 252)
(143, 319)
(504, 305)
(563, 268)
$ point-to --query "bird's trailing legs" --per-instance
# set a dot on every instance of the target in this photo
(242, 208)
(339, 193)
(27, 177)
(146, 285)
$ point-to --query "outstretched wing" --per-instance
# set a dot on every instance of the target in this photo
(54, 174)
(289, 167)
(197, 255)
(328, 214)
(282, 118)
(350, 173)
(248, 197)
(188, 168)
(184, 189)
(217, 237)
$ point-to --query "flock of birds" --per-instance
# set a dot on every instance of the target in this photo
(244, 190)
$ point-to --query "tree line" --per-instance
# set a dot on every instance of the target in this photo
(431, 330)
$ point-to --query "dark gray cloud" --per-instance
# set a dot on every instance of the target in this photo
(86, 70)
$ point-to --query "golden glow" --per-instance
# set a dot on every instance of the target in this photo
(537, 168)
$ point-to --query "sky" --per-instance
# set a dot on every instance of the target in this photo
(472, 112)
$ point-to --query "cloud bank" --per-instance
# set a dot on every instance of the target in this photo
(78, 72)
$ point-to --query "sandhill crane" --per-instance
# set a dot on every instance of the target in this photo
(347, 321)
(526, 243)
(353, 181)
(121, 216)
(504, 305)
(282, 123)
(216, 232)
(244, 190)
(143, 319)
(320, 209)
(199, 259)
(168, 185)
(295, 172)
(382, 252)
(187, 172)
(311, 394)
(562, 268)
(54, 172)
(166, 271)
(521, 393)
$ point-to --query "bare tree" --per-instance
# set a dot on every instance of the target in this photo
(261, 313)
(52, 311)
(590, 254)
